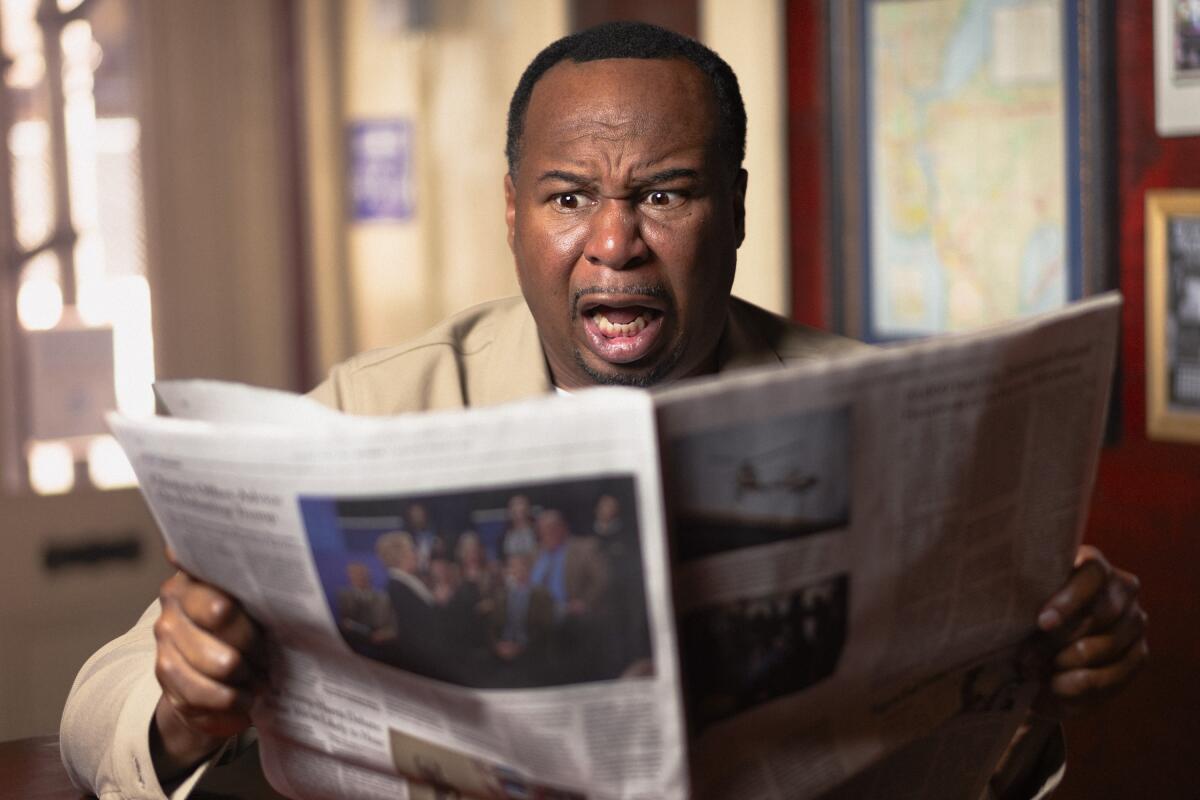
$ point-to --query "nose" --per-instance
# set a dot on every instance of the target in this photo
(615, 240)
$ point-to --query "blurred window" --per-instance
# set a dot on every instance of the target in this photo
(76, 267)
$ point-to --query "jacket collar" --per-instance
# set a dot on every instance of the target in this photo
(516, 367)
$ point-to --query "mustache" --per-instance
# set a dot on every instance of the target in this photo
(654, 290)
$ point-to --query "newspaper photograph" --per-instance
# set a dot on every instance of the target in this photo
(472, 608)
(763, 481)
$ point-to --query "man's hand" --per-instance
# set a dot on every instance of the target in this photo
(1094, 632)
(208, 663)
(1090, 644)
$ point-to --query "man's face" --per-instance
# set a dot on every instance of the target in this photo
(518, 508)
(624, 221)
(551, 530)
(607, 508)
(418, 518)
(360, 575)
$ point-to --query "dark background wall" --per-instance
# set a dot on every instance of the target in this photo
(678, 15)
(1145, 513)
(1146, 510)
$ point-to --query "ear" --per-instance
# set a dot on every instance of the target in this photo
(739, 205)
(510, 208)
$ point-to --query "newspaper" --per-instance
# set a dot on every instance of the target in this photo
(780, 584)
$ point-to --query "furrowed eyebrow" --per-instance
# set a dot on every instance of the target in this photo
(564, 177)
(668, 175)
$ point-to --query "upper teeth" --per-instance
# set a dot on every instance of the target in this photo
(620, 329)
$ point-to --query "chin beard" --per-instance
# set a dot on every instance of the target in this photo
(643, 379)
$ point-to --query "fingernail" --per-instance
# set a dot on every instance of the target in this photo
(1049, 619)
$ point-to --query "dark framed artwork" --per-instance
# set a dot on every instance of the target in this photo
(972, 161)
(1177, 67)
(1173, 315)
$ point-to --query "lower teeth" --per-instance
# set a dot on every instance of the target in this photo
(620, 329)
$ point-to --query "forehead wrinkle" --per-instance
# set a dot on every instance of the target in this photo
(602, 130)
(623, 157)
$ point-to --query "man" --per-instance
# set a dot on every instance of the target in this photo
(364, 612)
(520, 623)
(575, 575)
(625, 628)
(427, 541)
(625, 209)
(519, 538)
(607, 521)
(569, 568)
(412, 605)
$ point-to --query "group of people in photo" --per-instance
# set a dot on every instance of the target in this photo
(748, 652)
(541, 604)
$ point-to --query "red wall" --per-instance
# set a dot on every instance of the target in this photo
(1146, 510)
(808, 107)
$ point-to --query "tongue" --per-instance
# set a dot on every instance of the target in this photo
(620, 316)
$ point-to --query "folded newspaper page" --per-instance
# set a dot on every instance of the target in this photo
(792, 583)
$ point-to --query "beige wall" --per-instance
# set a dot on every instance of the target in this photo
(452, 80)
(750, 36)
(218, 192)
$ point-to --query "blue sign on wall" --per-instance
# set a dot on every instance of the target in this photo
(382, 181)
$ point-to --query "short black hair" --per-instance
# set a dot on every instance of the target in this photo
(635, 40)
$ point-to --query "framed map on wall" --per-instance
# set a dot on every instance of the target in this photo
(970, 170)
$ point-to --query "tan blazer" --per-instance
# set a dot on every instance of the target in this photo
(486, 355)
(491, 354)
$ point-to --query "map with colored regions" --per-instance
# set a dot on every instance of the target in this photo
(968, 169)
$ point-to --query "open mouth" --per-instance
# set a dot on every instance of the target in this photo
(622, 322)
(621, 334)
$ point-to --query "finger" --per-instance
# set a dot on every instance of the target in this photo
(218, 614)
(1117, 597)
(203, 651)
(1111, 605)
(1072, 601)
(1105, 648)
(172, 559)
(1087, 552)
(174, 586)
(209, 607)
(212, 610)
(193, 694)
(1078, 686)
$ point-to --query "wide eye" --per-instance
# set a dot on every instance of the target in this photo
(661, 199)
(568, 201)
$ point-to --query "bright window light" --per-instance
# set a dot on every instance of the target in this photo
(98, 88)
(108, 468)
(133, 345)
(39, 304)
(51, 468)
(33, 191)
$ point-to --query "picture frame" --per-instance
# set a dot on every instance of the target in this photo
(1177, 67)
(864, 295)
(1173, 315)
